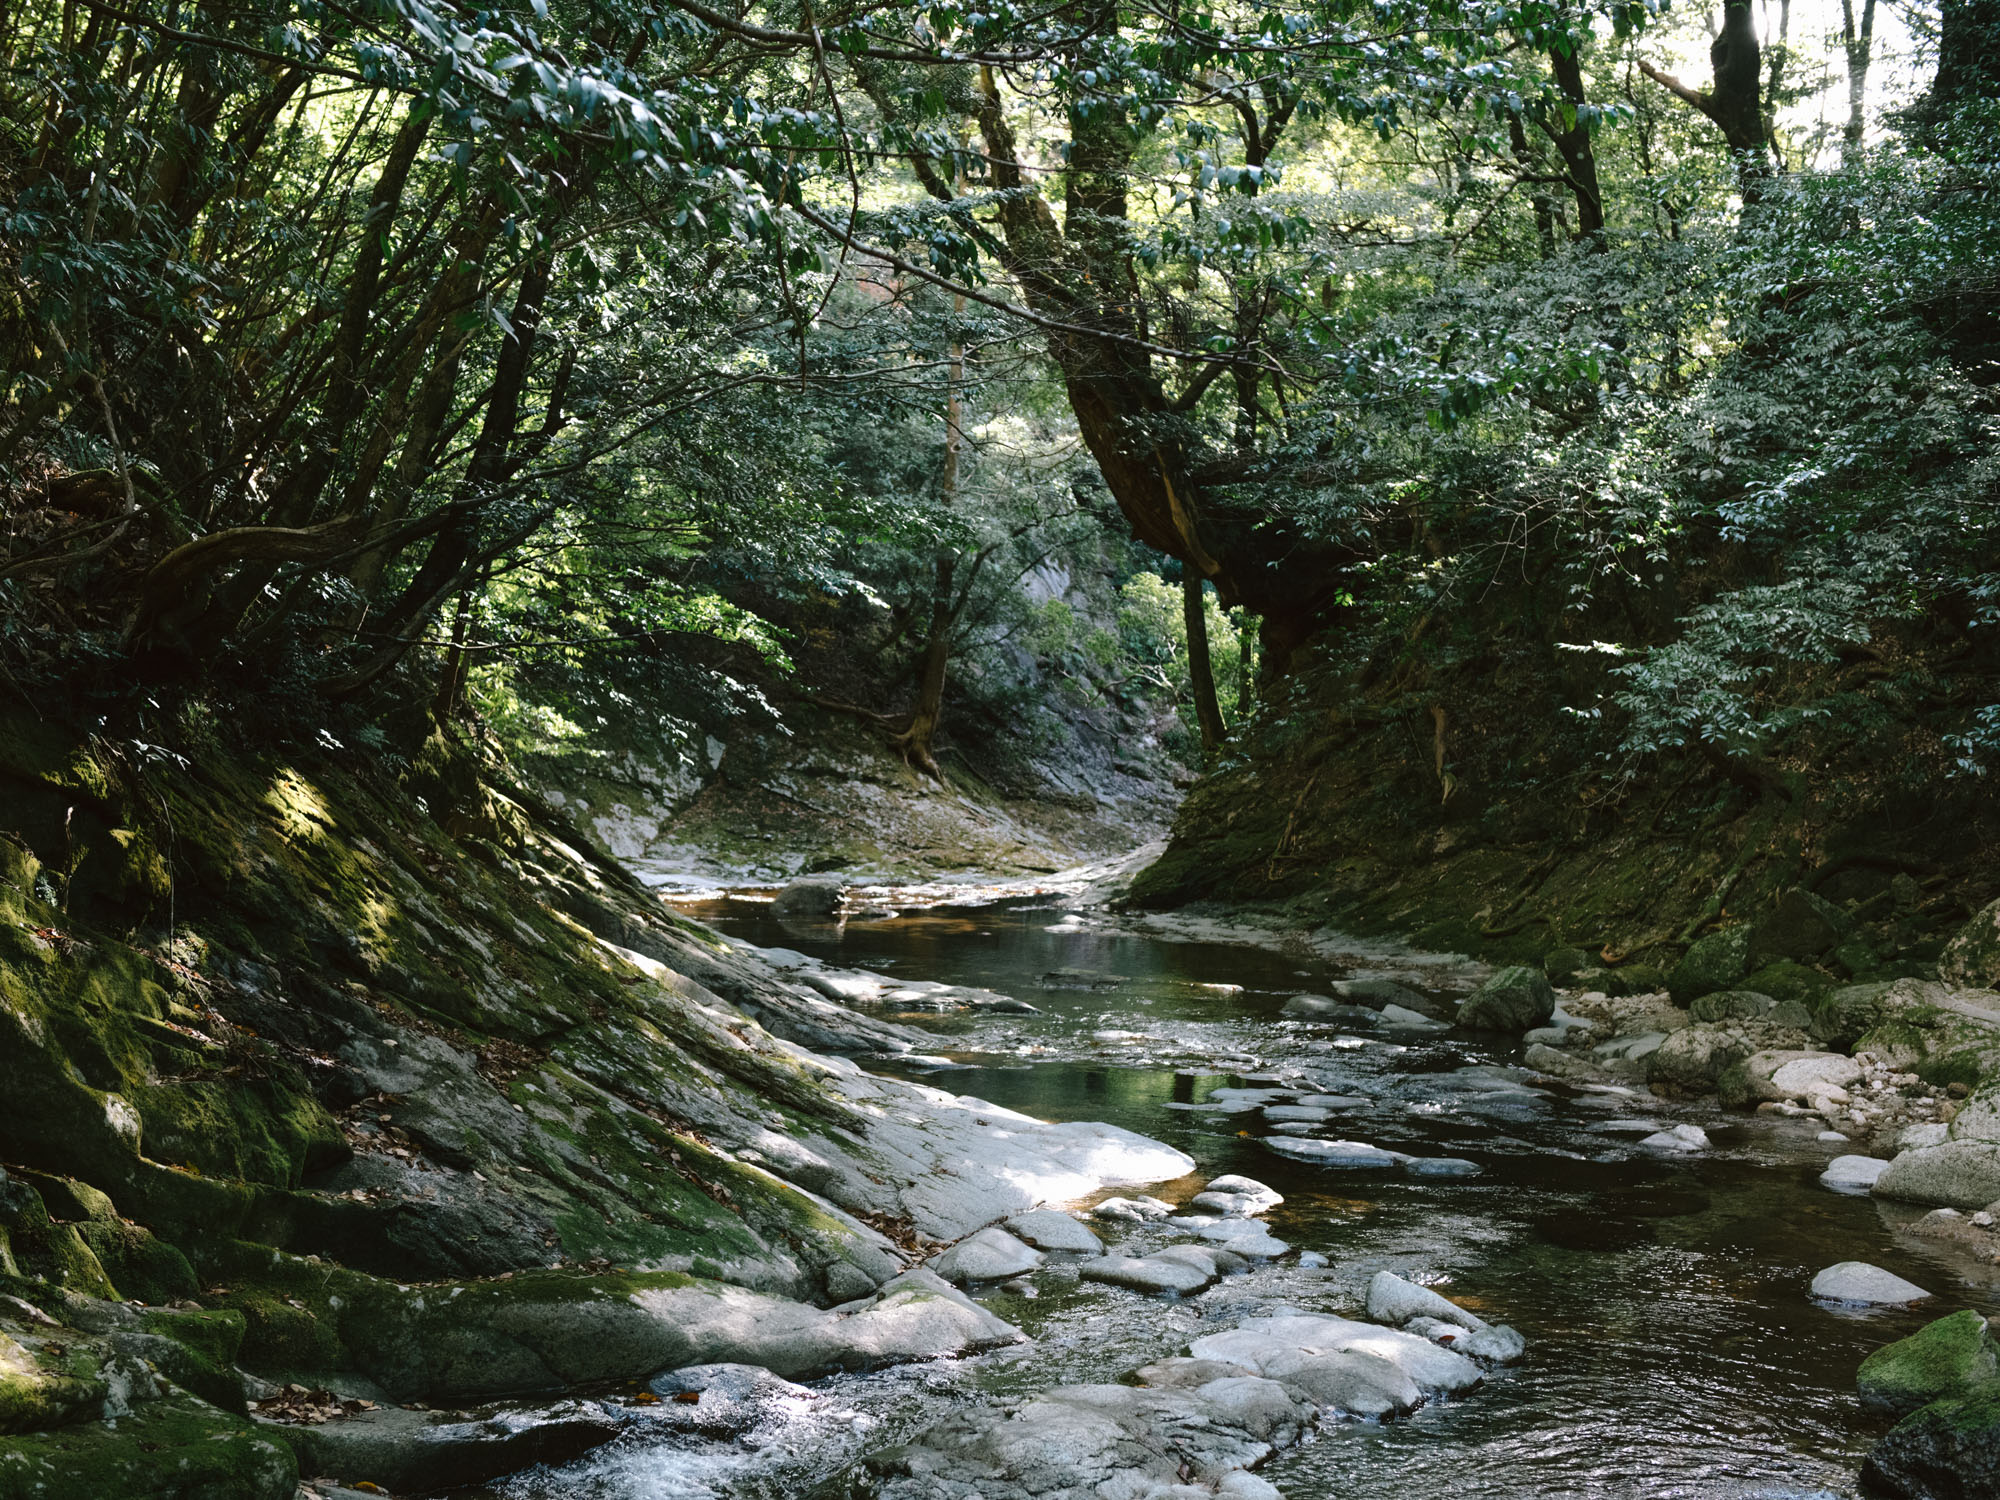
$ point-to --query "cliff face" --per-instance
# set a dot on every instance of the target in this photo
(324, 1073)
(1457, 796)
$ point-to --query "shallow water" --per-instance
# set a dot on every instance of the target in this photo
(1673, 1350)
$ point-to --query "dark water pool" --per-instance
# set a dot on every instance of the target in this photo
(1673, 1350)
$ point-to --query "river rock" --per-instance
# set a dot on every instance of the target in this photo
(1351, 1154)
(1950, 1357)
(1440, 1166)
(1236, 1196)
(1393, 1300)
(400, 1449)
(1052, 1229)
(1295, 1114)
(1860, 1284)
(1972, 957)
(1692, 1059)
(1678, 1138)
(1278, 1346)
(1246, 1237)
(1153, 1273)
(1402, 1018)
(1131, 1210)
(811, 896)
(1775, 1075)
(1514, 1000)
(1326, 1008)
(1714, 963)
(1104, 1442)
(1853, 1174)
(1948, 1450)
(1732, 1005)
(1378, 993)
(990, 1255)
(1952, 1174)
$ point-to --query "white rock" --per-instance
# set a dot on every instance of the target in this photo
(1826, 1075)
(1131, 1210)
(1246, 1237)
(990, 1255)
(1391, 1299)
(1852, 1174)
(1857, 1282)
(1240, 1197)
(1151, 1273)
(1441, 1166)
(1312, 1260)
(1052, 1229)
(1296, 1113)
(1678, 1138)
(1404, 1019)
(1830, 1136)
(1332, 1153)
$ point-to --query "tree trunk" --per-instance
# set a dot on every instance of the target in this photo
(1207, 711)
(1860, 46)
(917, 741)
(1579, 160)
(1735, 103)
(1968, 65)
(1538, 196)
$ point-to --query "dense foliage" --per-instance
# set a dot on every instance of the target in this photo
(350, 349)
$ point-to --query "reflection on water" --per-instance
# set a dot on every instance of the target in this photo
(1672, 1348)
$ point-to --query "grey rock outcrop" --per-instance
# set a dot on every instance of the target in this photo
(1514, 1000)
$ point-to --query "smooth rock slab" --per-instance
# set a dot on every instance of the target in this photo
(990, 1255)
(422, 1450)
(1259, 1342)
(1391, 1299)
(1678, 1138)
(1241, 1197)
(1951, 1174)
(1052, 1229)
(1348, 1154)
(1441, 1166)
(1246, 1237)
(1852, 1174)
(1859, 1284)
(1151, 1273)
(1104, 1442)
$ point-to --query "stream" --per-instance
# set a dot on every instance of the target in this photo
(1672, 1347)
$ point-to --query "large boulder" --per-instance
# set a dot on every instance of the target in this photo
(1716, 962)
(1515, 1000)
(1694, 1058)
(811, 896)
(1949, 1450)
(1950, 1357)
(1972, 958)
(990, 1255)
(1800, 926)
(1955, 1174)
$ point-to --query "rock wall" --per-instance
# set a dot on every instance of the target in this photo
(313, 1072)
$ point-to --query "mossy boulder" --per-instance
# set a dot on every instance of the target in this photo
(1786, 980)
(1951, 1357)
(1715, 962)
(1514, 1000)
(1799, 926)
(1948, 1450)
(1732, 1005)
(1972, 957)
(1691, 1060)
(1562, 965)
(176, 1448)
(34, 1246)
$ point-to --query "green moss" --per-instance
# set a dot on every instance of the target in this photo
(35, 1246)
(139, 1264)
(174, 1449)
(1950, 1357)
(1785, 980)
(1957, 1067)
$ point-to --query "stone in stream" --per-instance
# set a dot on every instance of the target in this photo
(990, 1255)
(1277, 1346)
(401, 1449)
(1347, 1154)
(1949, 1450)
(1095, 1442)
(1441, 1166)
(1299, 1114)
(1152, 1273)
(1952, 1174)
(1131, 1210)
(1852, 1174)
(1402, 1018)
(1246, 1237)
(1515, 1000)
(1235, 1196)
(1859, 1284)
(1052, 1229)
(1325, 1008)
(1422, 1311)
(1678, 1138)
(1945, 1358)
(811, 896)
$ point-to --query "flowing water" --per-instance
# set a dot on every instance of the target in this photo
(1673, 1349)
